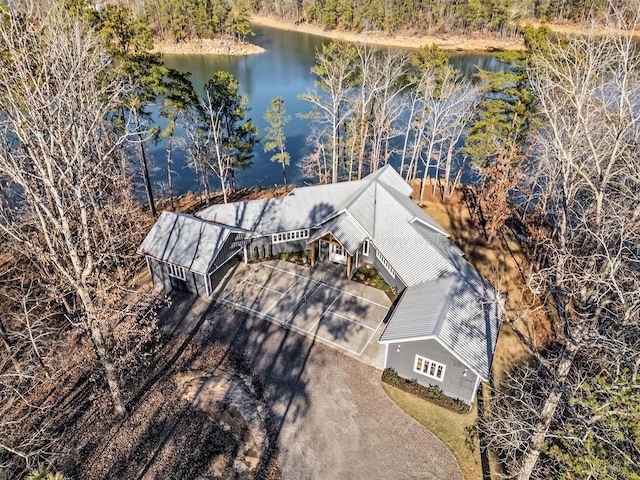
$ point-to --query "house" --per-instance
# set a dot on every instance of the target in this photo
(444, 327)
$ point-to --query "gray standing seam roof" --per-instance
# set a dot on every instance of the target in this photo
(414, 259)
(345, 230)
(185, 241)
(463, 312)
(303, 208)
(445, 299)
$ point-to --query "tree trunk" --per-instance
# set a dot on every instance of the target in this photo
(109, 368)
(284, 176)
(364, 132)
(145, 168)
(100, 347)
(546, 416)
(423, 184)
(169, 162)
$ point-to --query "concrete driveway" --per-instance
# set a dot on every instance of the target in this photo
(330, 309)
(333, 417)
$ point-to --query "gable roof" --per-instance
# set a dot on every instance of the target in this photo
(414, 258)
(446, 298)
(462, 312)
(185, 241)
(304, 207)
(345, 230)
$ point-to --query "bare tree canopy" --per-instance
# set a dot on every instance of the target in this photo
(583, 185)
(71, 210)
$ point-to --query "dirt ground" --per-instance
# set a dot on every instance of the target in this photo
(218, 46)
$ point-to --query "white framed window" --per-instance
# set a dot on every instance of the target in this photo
(291, 236)
(429, 368)
(386, 264)
(365, 248)
(177, 272)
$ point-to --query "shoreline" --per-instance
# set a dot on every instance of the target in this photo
(466, 43)
(205, 46)
(460, 43)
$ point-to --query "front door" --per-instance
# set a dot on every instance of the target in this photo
(337, 254)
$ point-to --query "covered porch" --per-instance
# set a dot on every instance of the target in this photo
(330, 254)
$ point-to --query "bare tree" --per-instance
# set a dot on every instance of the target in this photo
(447, 106)
(57, 148)
(584, 182)
(317, 163)
(336, 73)
(387, 107)
(209, 153)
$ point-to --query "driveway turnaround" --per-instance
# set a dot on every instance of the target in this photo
(342, 314)
(332, 415)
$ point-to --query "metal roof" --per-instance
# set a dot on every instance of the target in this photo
(389, 177)
(414, 258)
(462, 311)
(418, 213)
(344, 230)
(418, 311)
(185, 241)
(445, 298)
(304, 207)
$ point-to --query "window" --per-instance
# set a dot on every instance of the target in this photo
(365, 248)
(429, 368)
(177, 272)
(291, 236)
(386, 264)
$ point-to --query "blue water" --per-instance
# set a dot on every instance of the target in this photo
(284, 70)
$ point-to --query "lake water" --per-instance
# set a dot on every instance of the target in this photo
(284, 70)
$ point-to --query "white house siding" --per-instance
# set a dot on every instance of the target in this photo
(193, 283)
(383, 271)
(454, 384)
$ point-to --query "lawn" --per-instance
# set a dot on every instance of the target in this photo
(458, 432)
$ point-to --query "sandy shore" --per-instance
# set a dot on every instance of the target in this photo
(208, 47)
(448, 42)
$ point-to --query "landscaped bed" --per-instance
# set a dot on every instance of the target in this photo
(368, 275)
(432, 394)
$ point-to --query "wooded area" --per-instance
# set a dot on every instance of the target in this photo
(424, 16)
(554, 141)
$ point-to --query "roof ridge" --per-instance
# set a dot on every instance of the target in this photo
(445, 305)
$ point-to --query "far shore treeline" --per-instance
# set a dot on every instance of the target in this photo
(553, 140)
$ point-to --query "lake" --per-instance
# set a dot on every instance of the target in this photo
(284, 70)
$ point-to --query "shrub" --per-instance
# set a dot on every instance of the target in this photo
(460, 407)
(41, 473)
(390, 376)
(413, 385)
(436, 393)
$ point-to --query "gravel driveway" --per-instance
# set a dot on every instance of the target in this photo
(335, 420)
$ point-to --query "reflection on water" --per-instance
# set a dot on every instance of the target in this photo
(284, 70)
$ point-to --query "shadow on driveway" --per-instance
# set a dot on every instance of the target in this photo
(332, 417)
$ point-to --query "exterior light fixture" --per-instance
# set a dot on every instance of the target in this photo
(464, 374)
(398, 349)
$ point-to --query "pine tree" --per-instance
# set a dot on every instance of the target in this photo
(275, 138)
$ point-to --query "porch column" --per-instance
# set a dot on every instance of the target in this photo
(313, 254)
(348, 265)
(246, 258)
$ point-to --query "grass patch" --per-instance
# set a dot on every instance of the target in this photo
(458, 432)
